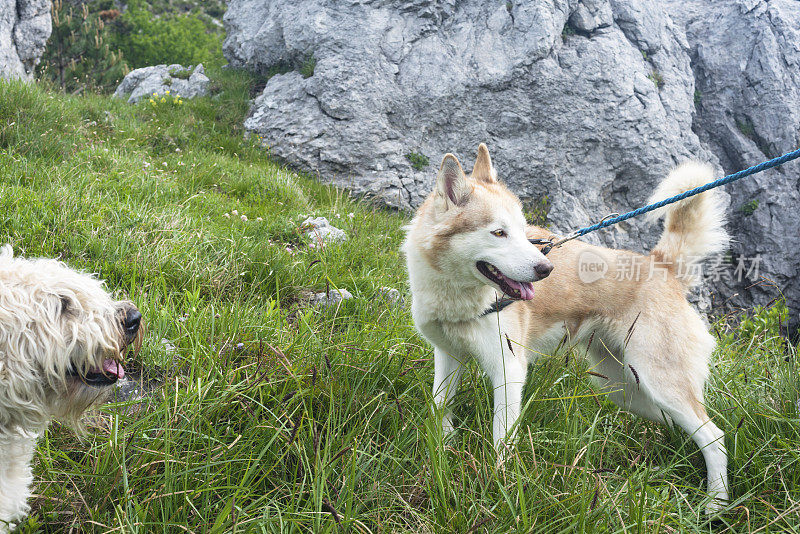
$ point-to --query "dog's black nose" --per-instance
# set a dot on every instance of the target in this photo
(543, 269)
(132, 321)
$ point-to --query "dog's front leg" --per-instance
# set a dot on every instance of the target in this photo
(447, 372)
(16, 476)
(508, 379)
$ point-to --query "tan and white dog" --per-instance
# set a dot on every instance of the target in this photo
(61, 338)
(468, 245)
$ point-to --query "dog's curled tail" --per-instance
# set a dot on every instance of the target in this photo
(694, 227)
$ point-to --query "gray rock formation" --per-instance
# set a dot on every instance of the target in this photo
(746, 61)
(25, 26)
(185, 82)
(585, 105)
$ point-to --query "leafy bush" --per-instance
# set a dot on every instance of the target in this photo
(748, 208)
(536, 211)
(149, 39)
(418, 161)
(79, 56)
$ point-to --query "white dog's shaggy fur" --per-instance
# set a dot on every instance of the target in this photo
(61, 338)
(469, 243)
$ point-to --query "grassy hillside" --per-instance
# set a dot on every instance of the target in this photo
(272, 416)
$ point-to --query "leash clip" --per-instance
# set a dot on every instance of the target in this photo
(547, 242)
(550, 244)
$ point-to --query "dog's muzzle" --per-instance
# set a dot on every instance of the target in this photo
(111, 369)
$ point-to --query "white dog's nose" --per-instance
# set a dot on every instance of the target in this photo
(543, 269)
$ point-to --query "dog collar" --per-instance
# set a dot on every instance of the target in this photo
(497, 307)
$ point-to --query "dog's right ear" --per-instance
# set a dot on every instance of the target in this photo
(451, 183)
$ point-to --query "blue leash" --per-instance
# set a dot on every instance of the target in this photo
(780, 160)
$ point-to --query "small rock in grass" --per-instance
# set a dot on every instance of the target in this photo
(321, 232)
(186, 82)
(126, 389)
(168, 346)
(391, 295)
(334, 296)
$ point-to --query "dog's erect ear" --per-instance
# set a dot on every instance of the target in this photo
(483, 170)
(451, 182)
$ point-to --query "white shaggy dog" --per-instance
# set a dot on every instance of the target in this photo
(61, 340)
(469, 244)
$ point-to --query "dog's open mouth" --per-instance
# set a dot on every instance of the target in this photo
(512, 288)
(109, 373)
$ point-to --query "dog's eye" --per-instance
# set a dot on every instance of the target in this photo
(65, 305)
(499, 233)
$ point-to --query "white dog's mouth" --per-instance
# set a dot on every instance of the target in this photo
(509, 286)
(108, 374)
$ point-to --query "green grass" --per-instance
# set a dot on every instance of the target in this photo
(320, 420)
(657, 78)
(308, 66)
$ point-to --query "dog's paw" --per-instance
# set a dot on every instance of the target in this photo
(505, 451)
(716, 506)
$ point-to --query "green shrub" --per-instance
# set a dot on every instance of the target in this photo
(183, 74)
(748, 208)
(536, 211)
(147, 39)
(78, 56)
(417, 160)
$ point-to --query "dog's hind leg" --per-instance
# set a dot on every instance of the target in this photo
(711, 439)
(447, 372)
(663, 384)
(621, 387)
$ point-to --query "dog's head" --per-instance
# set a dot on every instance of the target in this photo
(473, 228)
(62, 338)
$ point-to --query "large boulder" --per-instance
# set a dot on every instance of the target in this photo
(25, 26)
(585, 105)
(746, 60)
(186, 82)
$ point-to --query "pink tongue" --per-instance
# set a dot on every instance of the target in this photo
(525, 288)
(113, 368)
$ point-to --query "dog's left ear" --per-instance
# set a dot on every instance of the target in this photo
(483, 170)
